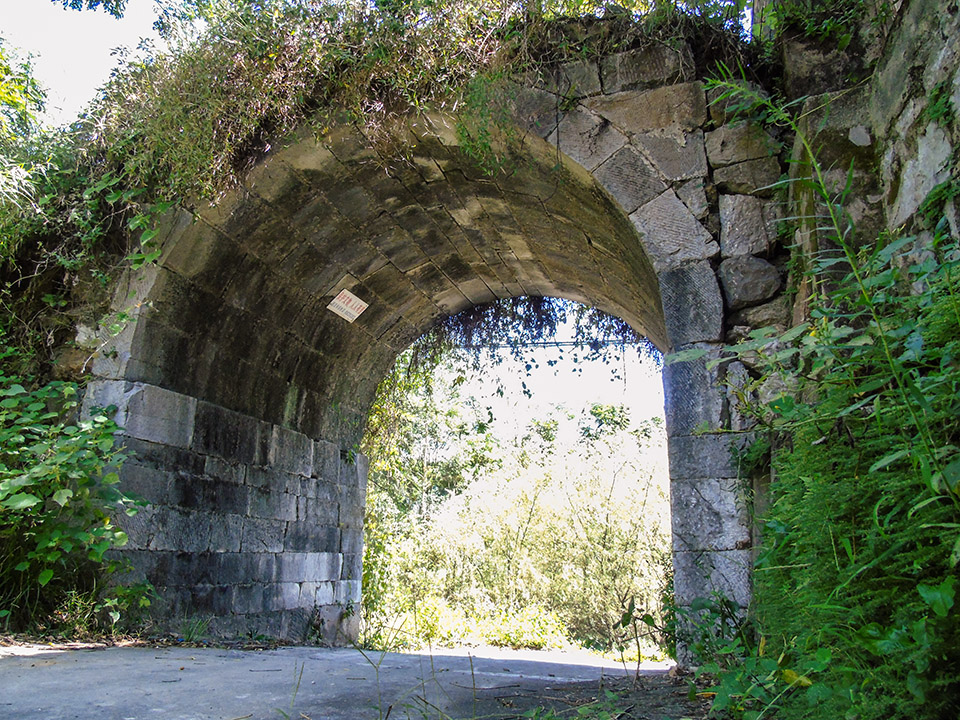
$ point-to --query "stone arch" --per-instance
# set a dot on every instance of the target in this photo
(243, 396)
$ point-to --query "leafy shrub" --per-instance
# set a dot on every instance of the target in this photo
(529, 627)
(58, 478)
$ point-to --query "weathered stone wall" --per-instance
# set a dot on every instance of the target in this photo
(252, 524)
(696, 183)
(880, 138)
(244, 396)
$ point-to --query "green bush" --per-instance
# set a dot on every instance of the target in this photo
(58, 494)
(529, 627)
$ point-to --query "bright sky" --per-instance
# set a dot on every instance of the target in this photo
(575, 385)
(72, 53)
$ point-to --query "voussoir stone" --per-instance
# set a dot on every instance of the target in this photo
(671, 233)
(586, 138)
(630, 179)
(753, 177)
(748, 280)
(694, 196)
(644, 68)
(743, 229)
(634, 111)
(679, 157)
(738, 143)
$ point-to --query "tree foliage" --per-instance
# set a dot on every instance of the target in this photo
(112, 7)
(467, 532)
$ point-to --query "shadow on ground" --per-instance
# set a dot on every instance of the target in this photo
(176, 683)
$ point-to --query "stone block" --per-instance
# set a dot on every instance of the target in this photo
(675, 107)
(699, 574)
(191, 492)
(226, 533)
(352, 567)
(694, 196)
(145, 482)
(181, 530)
(237, 567)
(738, 143)
(753, 177)
(351, 540)
(291, 567)
(739, 390)
(324, 510)
(707, 455)
(290, 451)
(709, 514)
(586, 139)
(224, 471)
(813, 66)
(348, 592)
(307, 537)
(248, 598)
(694, 396)
(261, 535)
(140, 528)
(190, 568)
(159, 416)
(225, 434)
(272, 504)
(748, 280)
(575, 79)
(324, 593)
(671, 234)
(679, 156)
(646, 67)
(692, 305)
(927, 168)
(536, 111)
(295, 624)
(630, 179)
(776, 313)
(322, 566)
(727, 109)
(743, 228)
(207, 600)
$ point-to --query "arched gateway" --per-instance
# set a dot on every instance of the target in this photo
(244, 396)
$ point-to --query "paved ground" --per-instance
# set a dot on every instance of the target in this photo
(176, 683)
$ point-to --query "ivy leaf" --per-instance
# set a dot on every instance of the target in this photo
(45, 577)
(684, 356)
(939, 598)
(21, 501)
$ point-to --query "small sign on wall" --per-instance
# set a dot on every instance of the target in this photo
(347, 305)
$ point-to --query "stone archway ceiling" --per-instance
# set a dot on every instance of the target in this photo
(239, 316)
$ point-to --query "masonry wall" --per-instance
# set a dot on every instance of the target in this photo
(251, 526)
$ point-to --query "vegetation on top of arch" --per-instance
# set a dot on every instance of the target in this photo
(516, 327)
(187, 123)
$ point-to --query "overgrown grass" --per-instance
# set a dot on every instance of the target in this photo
(855, 612)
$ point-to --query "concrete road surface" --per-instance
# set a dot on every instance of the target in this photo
(176, 683)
